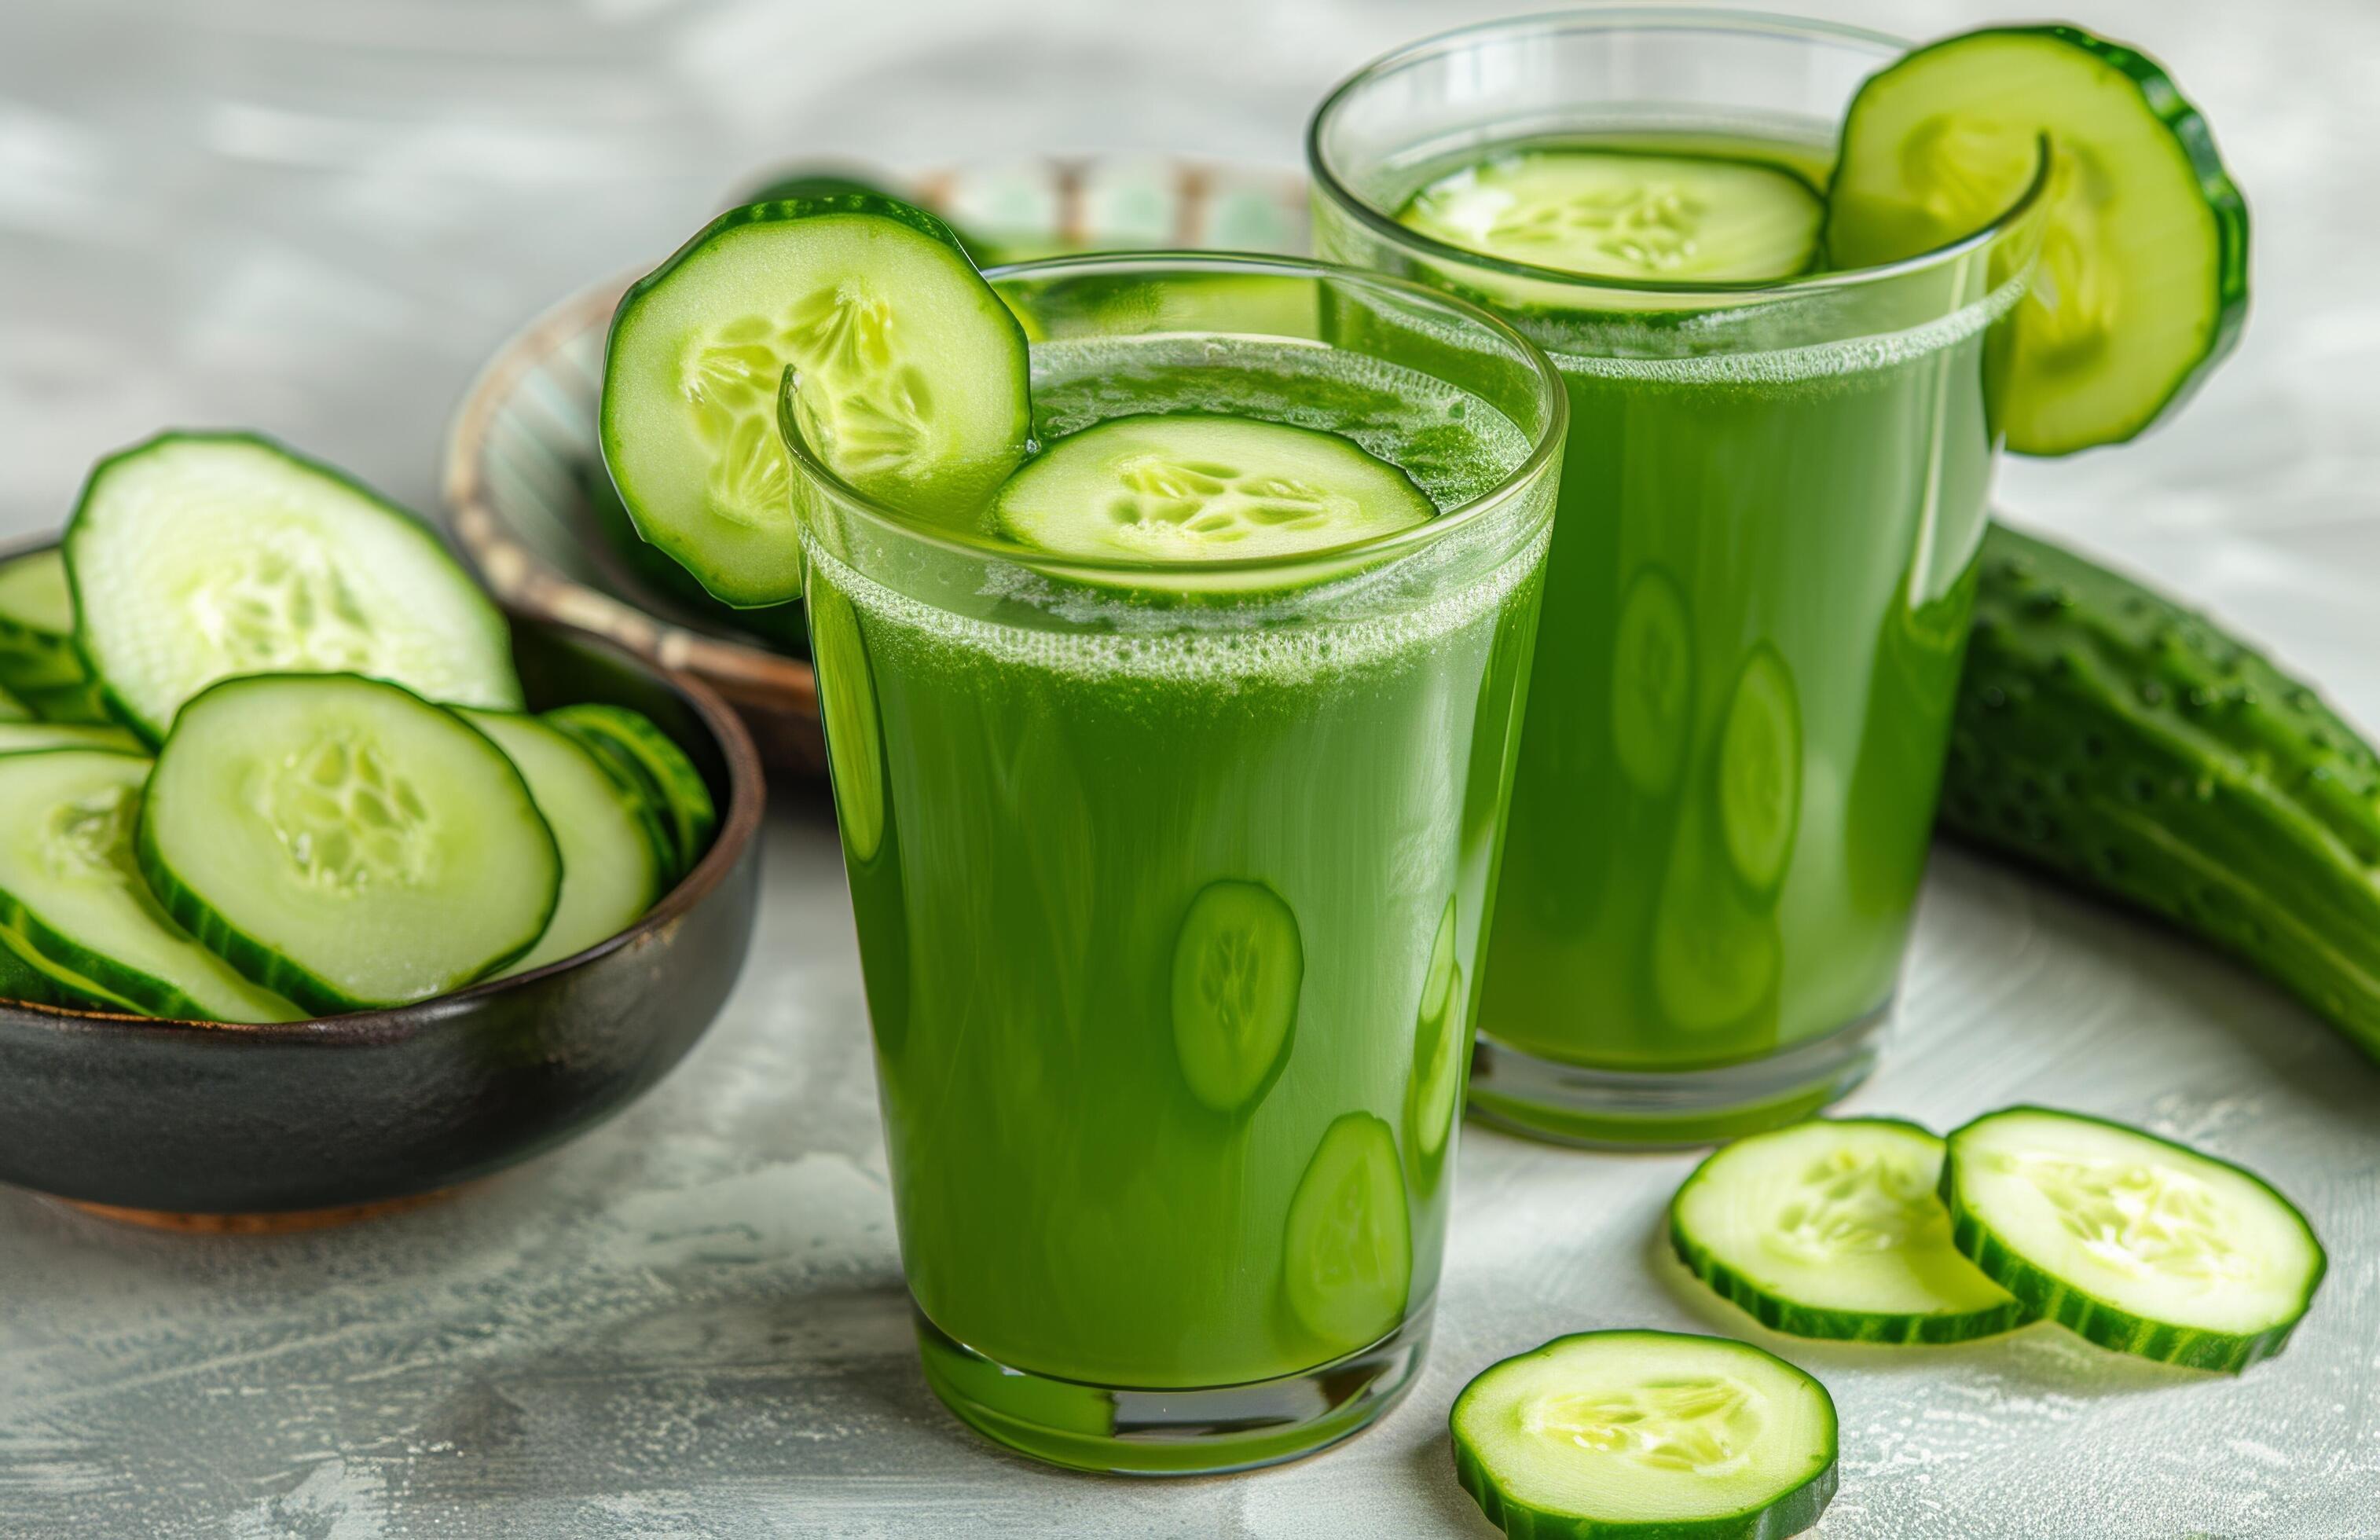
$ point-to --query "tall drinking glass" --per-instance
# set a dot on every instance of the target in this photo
(1759, 592)
(1171, 880)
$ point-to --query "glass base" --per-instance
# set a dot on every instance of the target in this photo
(1575, 1104)
(1204, 1431)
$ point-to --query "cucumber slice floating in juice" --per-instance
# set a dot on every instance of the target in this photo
(1441, 1043)
(1652, 681)
(854, 739)
(36, 602)
(1836, 1229)
(1646, 1435)
(1190, 487)
(1238, 963)
(203, 556)
(2130, 1241)
(2142, 284)
(1623, 213)
(909, 381)
(678, 791)
(1715, 959)
(1760, 772)
(1348, 1258)
(346, 842)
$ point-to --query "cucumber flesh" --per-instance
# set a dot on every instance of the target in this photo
(1836, 1229)
(1442, 1046)
(611, 873)
(2141, 286)
(203, 557)
(1646, 1435)
(2130, 1241)
(1627, 214)
(1238, 963)
(909, 378)
(854, 739)
(71, 888)
(346, 842)
(36, 602)
(1652, 681)
(31, 737)
(682, 796)
(1347, 1258)
(1760, 772)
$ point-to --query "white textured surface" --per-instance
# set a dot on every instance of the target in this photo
(315, 217)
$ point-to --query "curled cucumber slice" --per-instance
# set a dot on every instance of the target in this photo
(1238, 965)
(1347, 1262)
(1760, 772)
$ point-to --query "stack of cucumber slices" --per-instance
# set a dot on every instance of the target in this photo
(263, 757)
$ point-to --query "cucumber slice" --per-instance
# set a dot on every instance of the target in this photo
(2132, 1242)
(203, 557)
(1347, 1262)
(855, 740)
(36, 602)
(1628, 214)
(1760, 772)
(344, 842)
(1194, 488)
(681, 796)
(2143, 283)
(1646, 1435)
(610, 871)
(1835, 1228)
(1238, 962)
(1715, 959)
(44, 982)
(644, 798)
(911, 380)
(31, 737)
(71, 888)
(1652, 681)
(1442, 1044)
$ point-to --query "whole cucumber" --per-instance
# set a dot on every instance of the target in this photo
(2116, 738)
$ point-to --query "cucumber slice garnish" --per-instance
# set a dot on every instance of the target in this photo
(1646, 1435)
(1836, 1229)
(2130, 1241)
(678, 791)
(1760, 772)
(1347, 1262)
(36, 604)
(1238, 963)
(611, 873)
(911, 382)
(1652, 681)
(1622, 213)
(346, 842)
(203, 556)
(31, 737)
(1193, 488)
(2143, 283)
(71, 888)
(1442, 1044)
(854, 739)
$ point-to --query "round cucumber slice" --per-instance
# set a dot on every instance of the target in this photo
(1715, 959)
(1652, 681)
(1646, 1435)
(2143, 283)
(2130, 1241)
(1760, 772)
(1194, 488)
(1348, 1259)
(1238, 962)
(1440, 1046)
(910, 381)
(36, 604)
(1627, 214)
(1835, 1228)
(203, 557)
(855, 740)
(344, 842)
(679, 794)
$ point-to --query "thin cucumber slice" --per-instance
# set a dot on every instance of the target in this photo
(1238, 963)
(20, 982)
(203, 557)
(1192, 487)
(611, 873)
(910, 378)
(346, 842)
(2143, 283)
(69, 887)
(1442, 1045)
(36, 602)
(684, 802)
(1835, 1228)
(854, 739)
(1717, 960)
(31, 737)
(1760, 772)
(1628, 214)
(2132, 1242)
(44, 982)
(13, 709)
(1347, 1263)
(1646, 1435)
(643, 796)
(1652, 681)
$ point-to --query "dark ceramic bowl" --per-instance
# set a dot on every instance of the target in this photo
(200, 1125)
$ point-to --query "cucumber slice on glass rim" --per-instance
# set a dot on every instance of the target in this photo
(2132, 1242)
(2141, 286)
(909, 381)
(1238, 963)
(1835, 1228)
(1646, 1435)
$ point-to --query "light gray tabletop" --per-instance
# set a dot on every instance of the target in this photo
(315, 217)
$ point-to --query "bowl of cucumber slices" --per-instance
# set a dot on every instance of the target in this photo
(322, 885)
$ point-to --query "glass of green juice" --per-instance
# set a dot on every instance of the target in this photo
(1171, 875)
(1764, 561)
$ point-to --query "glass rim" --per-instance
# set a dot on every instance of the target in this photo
(1544, 445)
(1650, 18)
